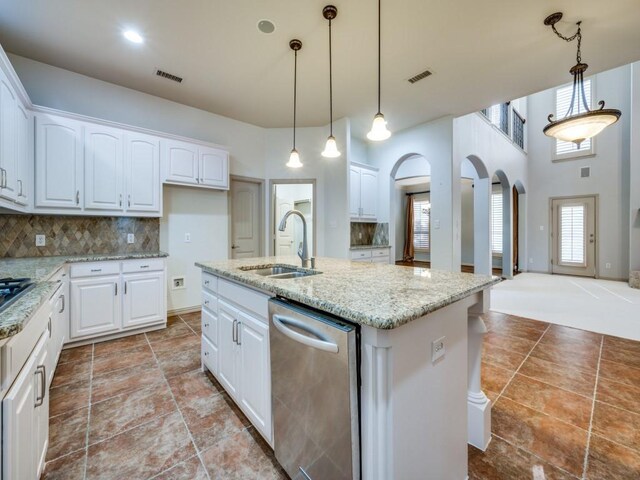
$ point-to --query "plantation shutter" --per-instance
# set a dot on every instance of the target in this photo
(563, 101)
(496, 222)
(421, 211)
(572, 234)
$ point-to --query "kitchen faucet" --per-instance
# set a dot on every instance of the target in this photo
(303, 251)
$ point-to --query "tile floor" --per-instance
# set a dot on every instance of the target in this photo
(140, 408)
(566, 403)
(566, 406)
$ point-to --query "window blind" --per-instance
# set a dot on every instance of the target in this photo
(563, 101)
(421, 234)
(496, 222)
(572, 234)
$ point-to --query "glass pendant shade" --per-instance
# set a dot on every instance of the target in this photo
(378, 129)
(294, 160)
(331, 148)
(578, 128)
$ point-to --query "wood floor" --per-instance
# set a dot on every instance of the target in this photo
(464, 268)
(566, 405)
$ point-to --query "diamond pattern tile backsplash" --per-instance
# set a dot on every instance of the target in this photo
(67, 235)
(369, 234)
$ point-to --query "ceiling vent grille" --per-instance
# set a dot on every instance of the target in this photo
(419, 76)
(585, 172)
(168, 76)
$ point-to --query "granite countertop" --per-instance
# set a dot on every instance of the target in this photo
(367, 247)
(373, 294)
(40, 270)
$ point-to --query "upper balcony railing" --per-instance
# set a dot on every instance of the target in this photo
(508, 121)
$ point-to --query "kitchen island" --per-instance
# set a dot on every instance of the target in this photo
(420, 345)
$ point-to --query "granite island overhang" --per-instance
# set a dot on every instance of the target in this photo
(421, 340)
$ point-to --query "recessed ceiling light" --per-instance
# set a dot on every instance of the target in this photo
(266, 26)
(133, 36)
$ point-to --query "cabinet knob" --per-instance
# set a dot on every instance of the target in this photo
(206, 325)
(206, 282)
(206, 302)
(206, 354)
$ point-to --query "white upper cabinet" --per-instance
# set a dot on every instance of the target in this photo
(142, 173)
(214, 167)
(59, 162)
(363, 193)
(180, 162)
(8, 140)
(24, 155)
(103, 167)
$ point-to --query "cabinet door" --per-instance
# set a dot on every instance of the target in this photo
(41, 417)
(214, 167)
(142, 173)
(255, 372)
(103, 163)
(19, 457)
(143, 299)
(354, 191)
(8, 140)
(368, 194)
(180, 162)
(95, 306)
(25, 156)
(228, 348)
(59, 162)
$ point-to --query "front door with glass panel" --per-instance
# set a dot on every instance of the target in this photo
(574, 236)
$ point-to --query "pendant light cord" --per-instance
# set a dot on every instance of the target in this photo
(330, 86)
(379, 51)
(295, 96)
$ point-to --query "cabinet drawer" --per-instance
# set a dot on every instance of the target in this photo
(94, 269)
(210, 282)
(209, 301)
(145, 265)
(380, 252)
(384, 259)
(360, 254)
(209, 355)
(248, 298)
(210, 326)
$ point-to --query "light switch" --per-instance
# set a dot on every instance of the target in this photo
(40, 241)
(131, 238)
(187, 238)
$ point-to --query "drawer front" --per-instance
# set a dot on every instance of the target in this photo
(380, 252)
(209, 354)
(210, 326)
(247, 298)
(144, 265)
(380, 259)
(94, 269)
(360, 254)
(209, 301)
(210, 282)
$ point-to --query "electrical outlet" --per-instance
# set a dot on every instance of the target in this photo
(438, 349)
(41, 240)
(541, 228)
(131, 238)
(187, 238)
(607, 265)
(359, 235)
(177, 283)
(436, 223)
(531, 260)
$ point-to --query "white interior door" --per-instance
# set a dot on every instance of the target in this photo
(245, 219)
(574, 236)
(284, 240)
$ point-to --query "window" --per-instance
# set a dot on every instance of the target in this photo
(496, 222)
(572, 234)
(563, 102)
(421, 219)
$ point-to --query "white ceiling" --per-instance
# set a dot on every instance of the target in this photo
(481, 52)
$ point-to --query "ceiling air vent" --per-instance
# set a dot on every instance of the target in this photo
(168, 76)
(585, 172)
(419, 76)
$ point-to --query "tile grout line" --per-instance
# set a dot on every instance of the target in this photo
(521, 363)
(195, 447)
(86, 440)
(190, 327)
(593, 409)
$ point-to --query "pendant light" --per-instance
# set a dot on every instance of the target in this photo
(585, 123)
(379, 130)
(331, 148)
(294, 158)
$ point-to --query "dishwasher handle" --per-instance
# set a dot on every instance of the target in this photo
(321, 342)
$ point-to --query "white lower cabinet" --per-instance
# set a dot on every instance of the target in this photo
(142, 299)
(95, 306)
(235, 347)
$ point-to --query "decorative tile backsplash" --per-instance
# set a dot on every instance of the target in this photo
(369, 234)
(67, 235)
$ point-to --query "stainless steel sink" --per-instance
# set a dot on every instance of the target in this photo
(280, 271)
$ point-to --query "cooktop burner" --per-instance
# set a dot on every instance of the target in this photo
(11, 289)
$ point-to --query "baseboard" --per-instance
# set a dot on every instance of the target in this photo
(185, 310)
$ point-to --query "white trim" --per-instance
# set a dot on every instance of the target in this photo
(8, 69)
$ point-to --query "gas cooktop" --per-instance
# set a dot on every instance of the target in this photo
(11, 289)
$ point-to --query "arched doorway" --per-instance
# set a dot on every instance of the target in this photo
(475, 211)
(518, 200)
(501, 225)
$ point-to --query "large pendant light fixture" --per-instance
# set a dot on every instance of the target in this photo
(331, 148)
(379, 130)
(294, 158)
(585, 123)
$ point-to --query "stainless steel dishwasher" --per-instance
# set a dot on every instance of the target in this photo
(314, 377)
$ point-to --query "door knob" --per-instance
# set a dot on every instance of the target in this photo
(233, 247)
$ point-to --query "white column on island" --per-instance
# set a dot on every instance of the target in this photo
(478, 405)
